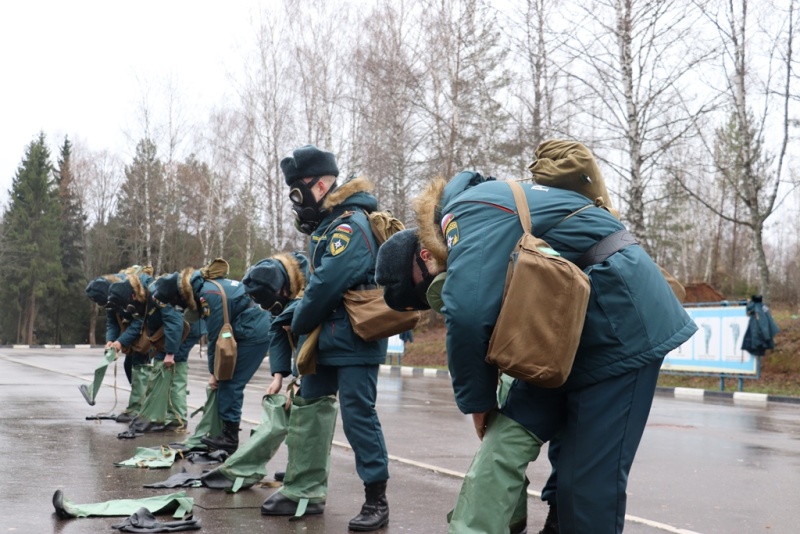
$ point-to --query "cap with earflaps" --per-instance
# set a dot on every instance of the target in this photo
(308, 161)
(167, 289)
(394, 271)
(120, 294)
(265, 282)
(97, 290)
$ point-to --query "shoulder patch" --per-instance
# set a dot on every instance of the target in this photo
(451, 233)
(338, 242)
(445, 220)
(346, 228)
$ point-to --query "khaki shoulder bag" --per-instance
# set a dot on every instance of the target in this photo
(225, 350)
(543, 309)
(372, 319)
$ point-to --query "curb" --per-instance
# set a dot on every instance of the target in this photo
(738, 397)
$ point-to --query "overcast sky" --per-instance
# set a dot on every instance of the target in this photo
(79, 68)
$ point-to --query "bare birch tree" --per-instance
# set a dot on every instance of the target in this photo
(758, 66)
(634, 61)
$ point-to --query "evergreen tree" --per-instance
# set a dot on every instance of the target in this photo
(31, 266)
(69, 314)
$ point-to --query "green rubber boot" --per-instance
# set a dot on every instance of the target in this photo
(309, 438)
(153, 415)
(178, 412)
(247, 466)
(210, 424)
(140, 377)
(178, 504)
(497, 471)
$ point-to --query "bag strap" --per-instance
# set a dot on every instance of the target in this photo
(224, 302)
(523, 210)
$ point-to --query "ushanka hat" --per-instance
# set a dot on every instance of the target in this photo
(308, 161)
(97, 290)
(167, 289)
(394, 271)
(264, 281)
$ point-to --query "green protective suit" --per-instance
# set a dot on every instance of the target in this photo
(306, 478)
(90, 391)
(139, 381)
(247, 466)
(150, 458)
(210, 424)
(176, 503)
(497, 470)
(165, 386)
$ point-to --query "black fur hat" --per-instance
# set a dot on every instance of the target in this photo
(394, 271)
(120, 294)
(264, 281)
(167, 289)
(308, 161)
(97, 290)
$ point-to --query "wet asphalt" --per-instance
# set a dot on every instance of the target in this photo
(705, 466)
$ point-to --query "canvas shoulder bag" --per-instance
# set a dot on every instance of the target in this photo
(371, 318)
(543, 309)
(225, 350)
(159, 340)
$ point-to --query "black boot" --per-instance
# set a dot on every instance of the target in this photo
(228, 441)
(551, 523)
(519, 527)
(280, 504)
(279, 475)
(375, 511)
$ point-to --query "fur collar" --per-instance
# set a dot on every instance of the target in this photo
(185, 287)
(345, 191)
(138, 288)
(297, 280)
(428, 219)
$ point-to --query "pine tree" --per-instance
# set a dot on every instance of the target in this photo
(31, 266)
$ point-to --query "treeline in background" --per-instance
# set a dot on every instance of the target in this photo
(689, 107)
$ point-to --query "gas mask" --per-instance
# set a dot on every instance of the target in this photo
(306, 208)
(421, 289)
(136, 309)
(434, 293)
(191, 316)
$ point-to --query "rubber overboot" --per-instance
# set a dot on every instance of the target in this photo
(375, 511)
(210, 424)
(246, 466)
(155, 415)
(551, 523)
(139, 380)
(227, 441)
(178, 408)
(497, 471)
(309, 438)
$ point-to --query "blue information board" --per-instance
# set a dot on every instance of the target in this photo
(716, 347)
(396, 345)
